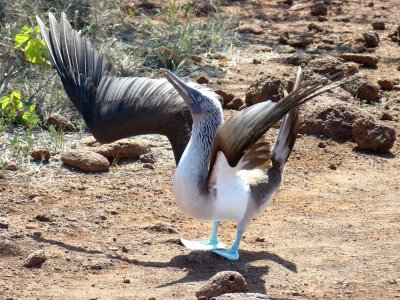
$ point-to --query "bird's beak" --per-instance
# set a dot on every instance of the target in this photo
(188, 93)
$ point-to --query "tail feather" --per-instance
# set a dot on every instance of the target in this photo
(287, 134)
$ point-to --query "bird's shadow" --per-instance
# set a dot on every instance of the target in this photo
(200, 265)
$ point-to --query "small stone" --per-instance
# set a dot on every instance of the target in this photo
(322, 19)
(162, 227)
(203, 79)
(197, 58)
(44, 218)
(147, 158)
(321, 145)
(319, 9)
(315, 27)
(370, 135)
(256, 61)
(148, 166)
(4, 224)
(226, 96)
(371, 39)
(35, 259)
(42, 154)
(386, 117)
(217, 56)
(152, 298)
(370, 4)
(250, 28)
(365, 59)
(85, 161)
(236, 103)
(60, 123)
(267, 87)
(222, 283)
(126, 280)
(378, 25)
(332, 167)
(124, 148)
(11, 166)
(124, 249)
(260, 239)
(386, 84)
(298, 59)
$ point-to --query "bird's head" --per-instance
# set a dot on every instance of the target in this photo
(202, 101)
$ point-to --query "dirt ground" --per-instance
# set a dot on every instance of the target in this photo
(332, 231)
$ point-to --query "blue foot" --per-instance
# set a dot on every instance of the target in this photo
(230, 254)
(202, 245)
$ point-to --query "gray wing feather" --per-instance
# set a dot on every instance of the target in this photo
(114, 107)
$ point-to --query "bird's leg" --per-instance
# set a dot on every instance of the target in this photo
(210, 244)
(233, 252)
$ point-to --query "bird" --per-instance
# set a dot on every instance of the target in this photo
(228, 170)
(115, 107)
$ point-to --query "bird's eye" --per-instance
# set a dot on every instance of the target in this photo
(199, 98)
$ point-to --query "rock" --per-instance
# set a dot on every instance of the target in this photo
(256, 61)
(226, 96)
(148, 166)
(319, 8)
(395, 35)
(42, 154)
(315, 27)
(236, 103)
(217, 56)
(162, 227)
(204, 8)
(378, 25)
(240, 296)
(386, 117)
(363, 89)
(321, 144)
(197, 58)
(250, 28)
(371, 39)
(147, 158)
(203, 79)
(98, 264)
(268, 87)
(60, 123)
(125, 148)
(4, 224)
(328, 65)
(322, 19)
(222, 283)
(44, 218)
(365, 59)
(11, 166)
(370, 135)
(285, 49)
(126, 280)
(86, 161)
(326, 115)
(386, 84)
(297, 41)
(35, 259)
(298, 59)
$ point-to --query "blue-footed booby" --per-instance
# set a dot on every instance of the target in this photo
(114, 107)
(227, 171)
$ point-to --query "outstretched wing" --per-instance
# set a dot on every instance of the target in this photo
(245, 128)
(114, 107)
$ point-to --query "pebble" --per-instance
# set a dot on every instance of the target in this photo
(148, 166)
(386, 84)
(4, 224)
(371, 39)
(222, 283)
(202, 79)
(35, 259)
(319, 9)
(378, 25)
(42, 154)
(256, 61)
(126, 280)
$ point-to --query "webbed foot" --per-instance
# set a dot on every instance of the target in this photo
(202, 245)
(230, 254)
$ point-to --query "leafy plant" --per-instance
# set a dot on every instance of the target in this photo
(28, 41)
(58, 138)
(22, 144)
(14, 111)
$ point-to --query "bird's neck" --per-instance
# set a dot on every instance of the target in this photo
(193, 167)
